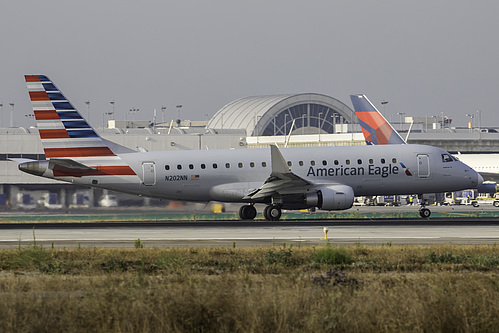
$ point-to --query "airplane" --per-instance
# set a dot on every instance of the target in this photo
(327, 178)
(378, 131)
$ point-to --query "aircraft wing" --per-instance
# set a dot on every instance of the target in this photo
(281, 178)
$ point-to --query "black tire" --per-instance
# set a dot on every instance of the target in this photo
(272, 213)
(475, 204)
(425, 213)
(266, 213)
(247, 212)
(275, 213)
(496, 203)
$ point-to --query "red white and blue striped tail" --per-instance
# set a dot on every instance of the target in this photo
(66, 135)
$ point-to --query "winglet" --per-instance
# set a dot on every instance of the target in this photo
(376, 129)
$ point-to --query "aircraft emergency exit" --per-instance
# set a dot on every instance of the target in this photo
(292, 178)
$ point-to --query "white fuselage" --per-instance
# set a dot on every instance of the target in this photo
(481, 162)
(229, 175)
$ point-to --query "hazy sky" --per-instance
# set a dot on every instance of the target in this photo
(422, 56)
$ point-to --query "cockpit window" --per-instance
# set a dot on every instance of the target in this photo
(447, 158)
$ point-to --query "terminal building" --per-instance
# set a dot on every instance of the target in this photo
(252, 122)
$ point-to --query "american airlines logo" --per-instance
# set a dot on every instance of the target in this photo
(372, 170)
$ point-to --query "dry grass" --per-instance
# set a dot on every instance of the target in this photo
(282, 289)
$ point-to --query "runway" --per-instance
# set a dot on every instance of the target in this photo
(254, 233)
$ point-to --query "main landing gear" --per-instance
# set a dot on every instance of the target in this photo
(271, 212)
(423, 211)
(247, 212)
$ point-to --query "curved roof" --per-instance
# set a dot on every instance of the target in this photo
(256, 113)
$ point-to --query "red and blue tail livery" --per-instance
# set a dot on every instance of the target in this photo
(376, 129)
(68, 140)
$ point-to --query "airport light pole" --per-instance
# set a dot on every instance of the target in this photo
(112, 105)
(384, 102)
(29, 116)
(1, 114)
(88, 111)
(11, 114)
(479, 124)
(178, 114)
(401, 114)
(133, 111)
(285, 123)
(319, 126)
(163, 110)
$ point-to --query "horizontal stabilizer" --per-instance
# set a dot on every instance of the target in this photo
(67, 164)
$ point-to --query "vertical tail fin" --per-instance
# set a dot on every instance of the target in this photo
(67, 139)
(376, 129)
(63, 131)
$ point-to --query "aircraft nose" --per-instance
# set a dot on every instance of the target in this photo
(479, 179)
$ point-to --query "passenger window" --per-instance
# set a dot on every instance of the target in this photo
(290, 163)
(371, 161)
(300, 163)
(203, 166)
(167, 167)
(252, 164)
(191, 166)
(264, 164)
(382, 161)
(179, 167)
(359, 161)
(336, 162)
(215, 166)
(347, 162)
(324, 162)
(394, 160)
(240, 165)
(227, 165)
(312, 163)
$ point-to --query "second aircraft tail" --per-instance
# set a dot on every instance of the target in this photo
(376, 129)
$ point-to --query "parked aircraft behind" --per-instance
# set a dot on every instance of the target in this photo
(293, 178)
(487, 165)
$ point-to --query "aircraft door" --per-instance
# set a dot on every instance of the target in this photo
(149, 172)
(423, 166)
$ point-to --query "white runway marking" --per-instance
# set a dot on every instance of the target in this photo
(312, 234)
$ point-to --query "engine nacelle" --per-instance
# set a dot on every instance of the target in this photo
(334, 197)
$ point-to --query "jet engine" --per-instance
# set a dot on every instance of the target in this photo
(334, 197)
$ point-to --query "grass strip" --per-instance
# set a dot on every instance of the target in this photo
(279, 288)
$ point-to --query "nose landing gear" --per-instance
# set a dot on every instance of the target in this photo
(423, 211)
